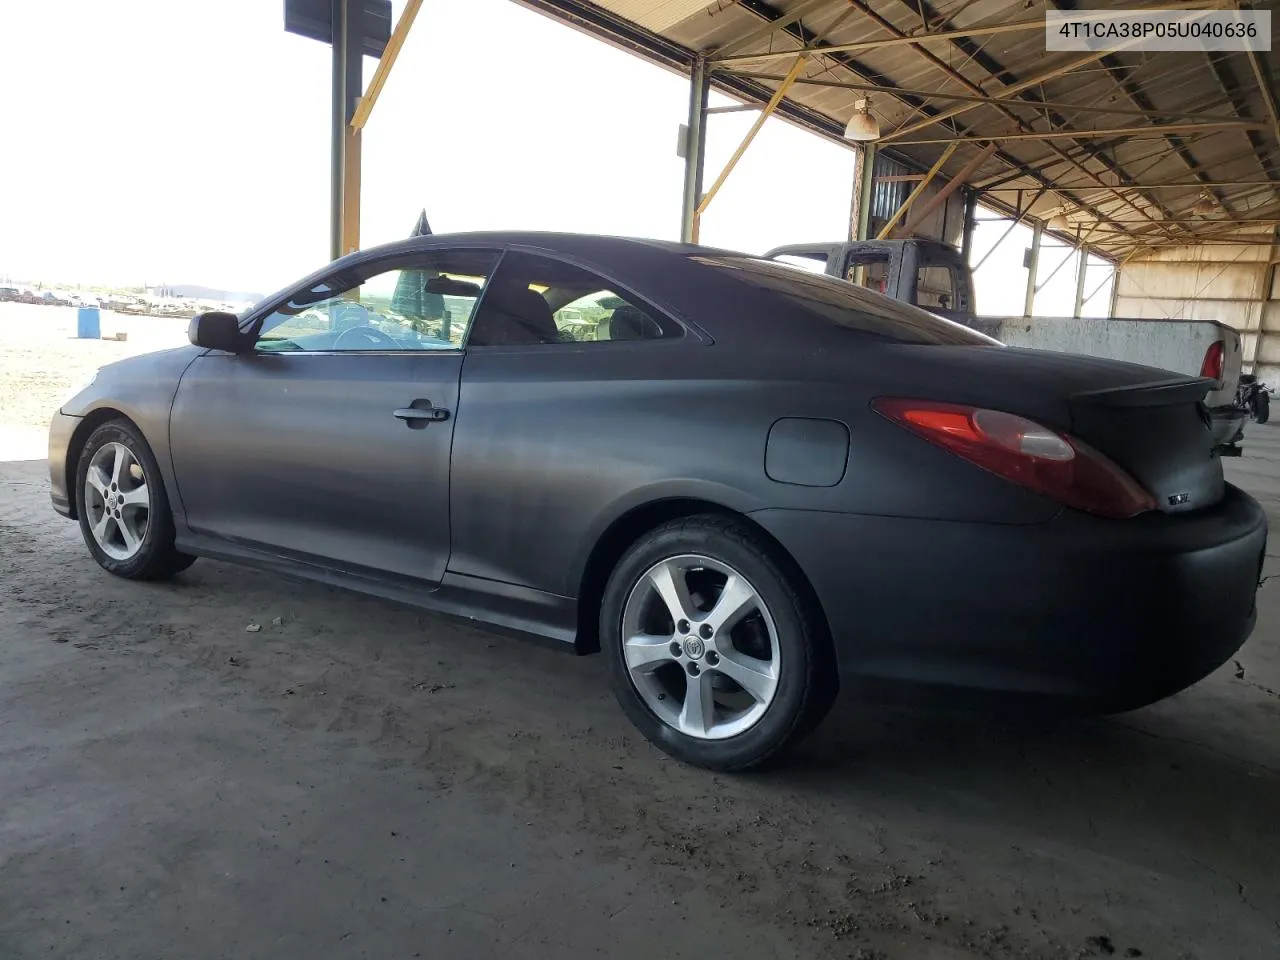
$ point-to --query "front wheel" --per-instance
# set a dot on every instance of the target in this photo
(124, 511)
(714, 653)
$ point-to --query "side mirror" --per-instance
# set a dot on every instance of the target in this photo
(217, 331)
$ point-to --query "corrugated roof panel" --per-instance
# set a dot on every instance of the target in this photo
(921, 78)
(656, 15)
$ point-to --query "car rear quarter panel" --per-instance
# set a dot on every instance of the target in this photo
(553, 445)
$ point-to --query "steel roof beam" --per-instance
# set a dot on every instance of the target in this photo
(1231, 86)
(1139, 99)
(1150, 131)
(993, 68)
(1012, 103)
(1051, 74)
(862, 71)
(863, 45)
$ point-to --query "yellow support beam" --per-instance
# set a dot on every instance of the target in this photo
(351, 192)
(915, 194)
(955, 184)
(385, 63)
(349, 222)
(767, 112)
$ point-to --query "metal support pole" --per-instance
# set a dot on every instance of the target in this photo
(865, 180)
(338, 12)
(694, 150)
(1115, 289)
(970, 221)
(1029, 304)
(1082, 268)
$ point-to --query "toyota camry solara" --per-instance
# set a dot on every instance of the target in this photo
(746, 485)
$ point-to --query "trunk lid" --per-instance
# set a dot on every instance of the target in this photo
(1158, 431)
(1152, 423)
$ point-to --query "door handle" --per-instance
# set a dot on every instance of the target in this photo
(415, 416)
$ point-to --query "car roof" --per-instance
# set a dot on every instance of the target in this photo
(604, 249)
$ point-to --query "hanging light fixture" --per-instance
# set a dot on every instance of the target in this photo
(862, 126)
(1205, 204)
(1059, 220)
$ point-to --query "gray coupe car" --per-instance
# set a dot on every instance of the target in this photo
(749, 486)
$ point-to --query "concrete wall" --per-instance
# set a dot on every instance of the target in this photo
(1235, 284)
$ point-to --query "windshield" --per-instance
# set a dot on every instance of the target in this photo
(844, 304)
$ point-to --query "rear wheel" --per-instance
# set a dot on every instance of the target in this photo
(713, 653)
(124, 511)
(1261, 406)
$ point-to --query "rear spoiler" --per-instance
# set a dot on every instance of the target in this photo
(1155, 393)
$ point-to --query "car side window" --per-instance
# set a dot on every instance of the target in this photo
(423, 304)
(535, 301)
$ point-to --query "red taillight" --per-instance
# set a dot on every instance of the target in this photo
(1021, 450)
(1212, 365)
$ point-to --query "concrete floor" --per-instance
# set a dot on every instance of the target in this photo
(361, 780)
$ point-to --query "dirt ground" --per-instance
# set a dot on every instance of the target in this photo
(42, 360)
(357, 779)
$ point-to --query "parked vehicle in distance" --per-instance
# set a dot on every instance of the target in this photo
(935, 276)
(8, 294)
(1253, 398)
(749, 487)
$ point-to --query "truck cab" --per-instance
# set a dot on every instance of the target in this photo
(923, 272)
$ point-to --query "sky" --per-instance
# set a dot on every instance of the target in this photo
(160, 142)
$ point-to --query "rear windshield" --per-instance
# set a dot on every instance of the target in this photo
(844, 304)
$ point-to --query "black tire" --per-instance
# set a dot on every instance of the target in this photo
(806, 682)
(156, 558)
(1262, 406)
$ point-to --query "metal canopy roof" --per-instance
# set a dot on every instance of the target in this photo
(1123, 144)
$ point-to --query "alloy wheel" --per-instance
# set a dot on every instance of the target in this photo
(117, 502)
(701, 647)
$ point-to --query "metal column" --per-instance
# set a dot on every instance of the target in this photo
(970, 217)
(348, 84)
(694, 150)
(338, 123)
(1082, 268)
(1033, 268)
(864, 180)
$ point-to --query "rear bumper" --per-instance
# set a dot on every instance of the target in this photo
(1226, 423)
(61, 429)
(1101, 614)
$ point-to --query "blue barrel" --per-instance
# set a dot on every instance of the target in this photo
(89, 324)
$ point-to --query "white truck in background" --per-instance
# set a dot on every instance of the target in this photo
(935, 277)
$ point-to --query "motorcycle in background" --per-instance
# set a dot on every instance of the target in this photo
(1252, 395)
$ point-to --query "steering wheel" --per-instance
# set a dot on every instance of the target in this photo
(366, 336)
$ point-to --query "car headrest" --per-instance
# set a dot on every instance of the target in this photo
(631, 323)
